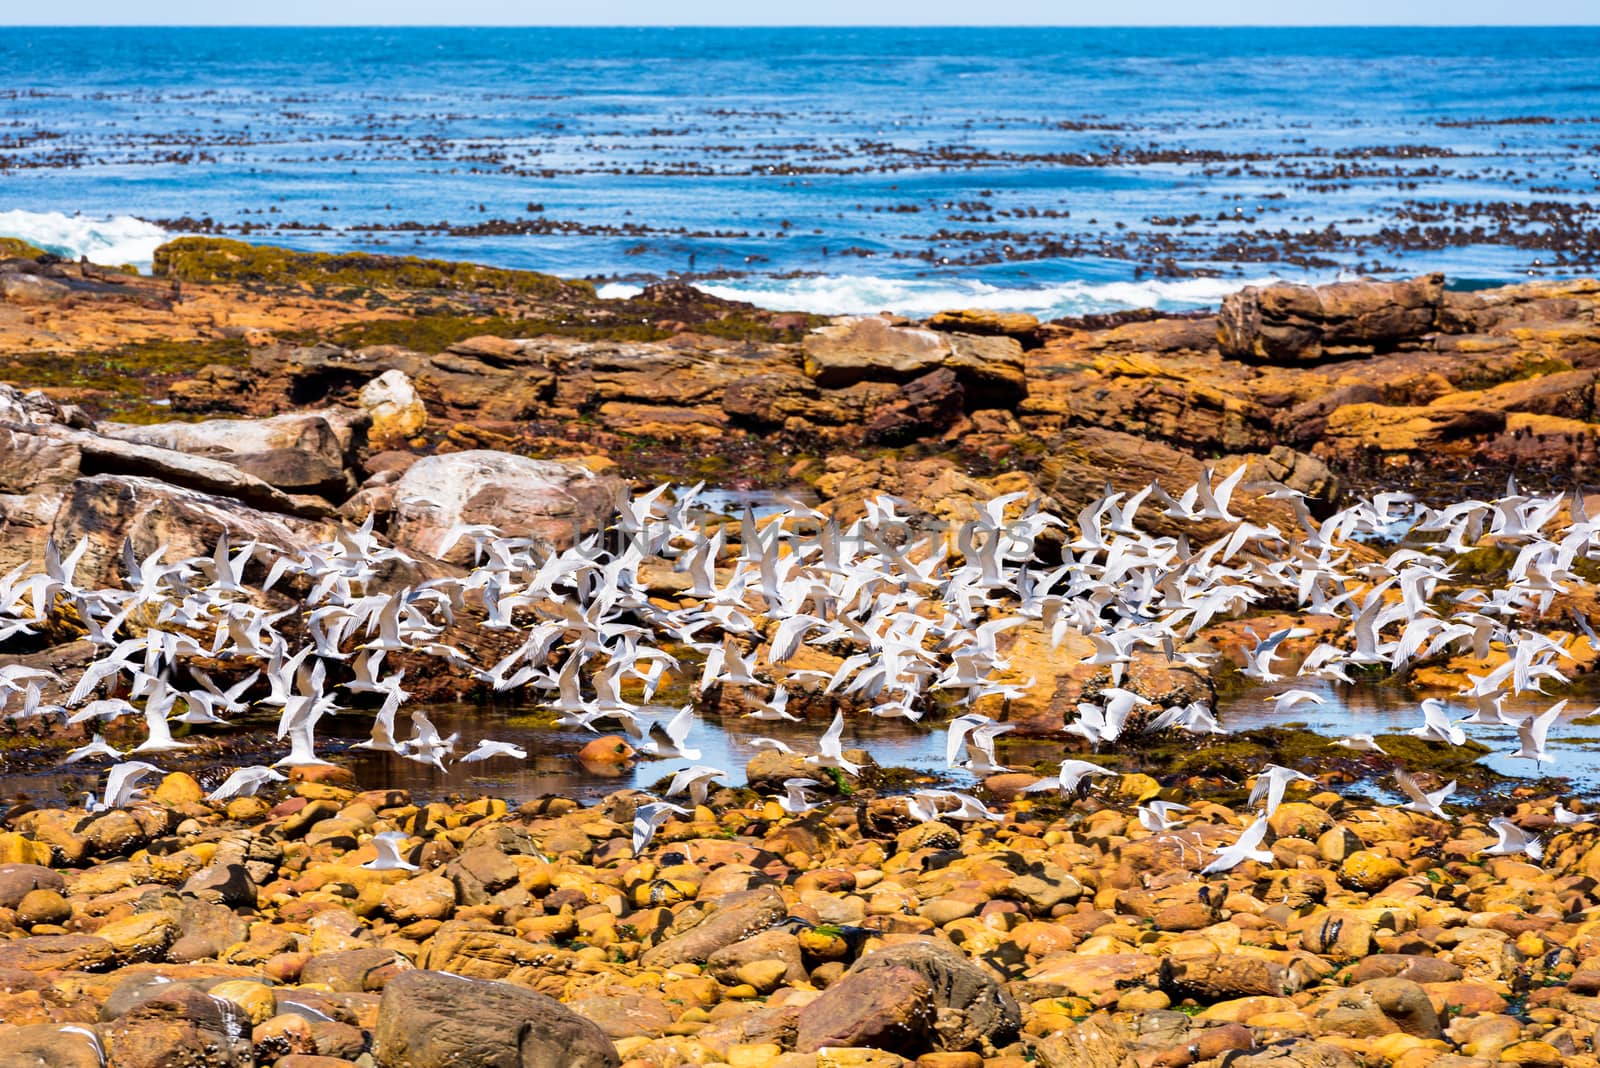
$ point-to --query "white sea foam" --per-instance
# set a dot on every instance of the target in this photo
(109, 241)
(866, 294)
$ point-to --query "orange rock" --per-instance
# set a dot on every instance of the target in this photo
(607, 750)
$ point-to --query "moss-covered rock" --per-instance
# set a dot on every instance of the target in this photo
(213, 259)
(15, 246)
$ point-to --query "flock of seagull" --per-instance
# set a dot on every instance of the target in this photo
(910, 617)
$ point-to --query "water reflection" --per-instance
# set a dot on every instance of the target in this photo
(552, 766)
(1373, 708)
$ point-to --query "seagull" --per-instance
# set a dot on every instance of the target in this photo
(426, 747)
(1436, 724)
(1246, 847)
(1513, 840)
(1271, 782)
(302, 748)
(1260, 656)
(1067, 780)
(794, 800)
(830, 748)
(677, 731)
(388, 846)
(96, 748)
(1364, 743)
(1156, 816)
(244, 783)
(1425, 803)
(488, 748)
(122, 781)
(1568, 818)
(923, 806)
(1531, 733)
(648, 818)
(1283, 702)
(774, 708)
(695, 781)
(160, 738)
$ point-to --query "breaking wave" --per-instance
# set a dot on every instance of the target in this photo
(866, 294)
(110, 241)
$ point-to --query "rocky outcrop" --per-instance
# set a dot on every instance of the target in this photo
(873, 348)
(301, 452)
(66, 482)
(1286, 323)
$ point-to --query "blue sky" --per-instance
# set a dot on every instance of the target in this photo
(810, 12)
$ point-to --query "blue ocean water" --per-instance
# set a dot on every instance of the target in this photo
(1059, 171)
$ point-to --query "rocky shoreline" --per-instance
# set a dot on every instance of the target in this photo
(289, 399)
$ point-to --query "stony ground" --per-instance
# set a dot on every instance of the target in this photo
(281, 395)
(1064, 935)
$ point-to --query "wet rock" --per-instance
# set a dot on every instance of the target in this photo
(109, 508)
(774, 947)
(625, 1015)
(427, 897)
(1406, 1003)
(1019, 325)
(143, 937)
(51, 953)
(1405, 429)
(1087, 976)
(227, 884)
(435, 1020)
(1418, 969)
(354, 969)
(178, 1026)
(20, 288)
(480, 953)
(1094, 1043)
(1368, 871)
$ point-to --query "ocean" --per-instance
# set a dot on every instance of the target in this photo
(1057, 171)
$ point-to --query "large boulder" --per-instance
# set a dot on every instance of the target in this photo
(106, 509)
(437, 1020)
(890, 1009)
(872, 348)
(966, 1007)
(546, 499)
(178, 1027)
(300, 452)
(1285, 323)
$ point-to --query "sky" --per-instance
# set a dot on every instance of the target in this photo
(811, 12)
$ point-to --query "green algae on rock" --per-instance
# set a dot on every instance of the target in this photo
(212, 259)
